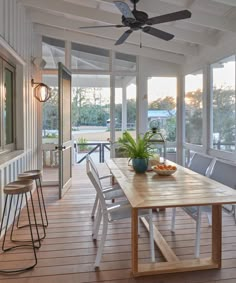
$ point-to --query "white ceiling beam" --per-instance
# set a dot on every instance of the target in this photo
(113, 33)
(111, 18)
(226, 2)
(108, 44)
(198, 17)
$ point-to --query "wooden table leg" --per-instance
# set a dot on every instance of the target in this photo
(134, 239)
(217, 234)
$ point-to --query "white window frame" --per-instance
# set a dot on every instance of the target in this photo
(6, 65)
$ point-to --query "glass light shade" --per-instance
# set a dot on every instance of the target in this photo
(41, 92)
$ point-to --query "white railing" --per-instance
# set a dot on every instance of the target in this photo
(11, 165)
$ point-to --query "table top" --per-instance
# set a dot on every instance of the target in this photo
(183, 188)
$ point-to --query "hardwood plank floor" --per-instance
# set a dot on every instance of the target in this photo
(68, 252)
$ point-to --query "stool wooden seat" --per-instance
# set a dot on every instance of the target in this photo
(36, 175)
(31, 175)
(19, 189)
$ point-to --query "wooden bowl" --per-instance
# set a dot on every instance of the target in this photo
(163, 172)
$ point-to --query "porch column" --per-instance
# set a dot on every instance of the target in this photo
(124, 107)
(142, 102)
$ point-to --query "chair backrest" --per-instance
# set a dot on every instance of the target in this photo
(224, 173)
(89, 161)
(92, 174)
(200, 163)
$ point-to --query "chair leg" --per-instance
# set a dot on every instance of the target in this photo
(152, 250)
(97, 223)
(198, 232)
(173, 219)
(94, 207)
(102, 242)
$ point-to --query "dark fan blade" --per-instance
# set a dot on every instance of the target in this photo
(107, 26)
(158, 33)
(124, 36)
(184, 14)
(124, 9)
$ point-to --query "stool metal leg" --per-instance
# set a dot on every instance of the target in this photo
(35, 222)
(31, 232)
(41, 214)
(7, 271)
(12, 229)
(13, 224)
(8, 215)
(39, 184)
(27, 225)
(18, 218)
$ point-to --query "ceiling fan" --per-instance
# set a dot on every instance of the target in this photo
(139, 20)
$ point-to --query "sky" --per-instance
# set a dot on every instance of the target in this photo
(161, 87)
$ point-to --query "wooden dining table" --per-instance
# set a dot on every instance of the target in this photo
(183, 188)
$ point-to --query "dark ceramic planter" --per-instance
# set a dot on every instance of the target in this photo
(140, 165)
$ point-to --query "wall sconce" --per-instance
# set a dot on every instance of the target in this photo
(41, 91)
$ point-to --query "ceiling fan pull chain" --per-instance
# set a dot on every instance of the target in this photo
(140, 45)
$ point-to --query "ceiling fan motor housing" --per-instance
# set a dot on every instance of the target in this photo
(134, 1)
(140, 20)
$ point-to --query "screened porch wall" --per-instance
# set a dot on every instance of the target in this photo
(208, 56)
(18, 45)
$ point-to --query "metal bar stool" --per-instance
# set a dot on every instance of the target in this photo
(36, 175)
(19, 188)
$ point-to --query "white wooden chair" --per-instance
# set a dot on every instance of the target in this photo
(113, 212)
(111, 192)
(200, 164)
(225, 173)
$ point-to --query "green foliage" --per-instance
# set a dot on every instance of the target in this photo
(193, 116)
(50, 112)
(166, 103)
(89, 107)
(131, 112)
(169, 125)
(51, 136)
(83, 146)
(223, 115)
(136, 149)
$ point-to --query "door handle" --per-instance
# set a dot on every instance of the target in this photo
(60, 147)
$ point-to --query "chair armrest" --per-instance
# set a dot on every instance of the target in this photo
(105, 176)
(110, 188)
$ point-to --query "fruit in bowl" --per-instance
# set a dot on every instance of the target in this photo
(164, 169)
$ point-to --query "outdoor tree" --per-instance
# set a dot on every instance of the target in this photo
(193, 116)
(167, 103)
(224, 115)
(50, 112)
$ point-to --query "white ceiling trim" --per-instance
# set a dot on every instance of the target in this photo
(113, 33)
(226, 2)
(112, 18)
(198, 17)
(108, 44)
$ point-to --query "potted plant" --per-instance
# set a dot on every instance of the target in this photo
(139, 151)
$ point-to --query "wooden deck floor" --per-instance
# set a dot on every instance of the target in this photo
(68, 252)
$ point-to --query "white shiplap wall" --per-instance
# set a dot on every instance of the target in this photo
(18, 44)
